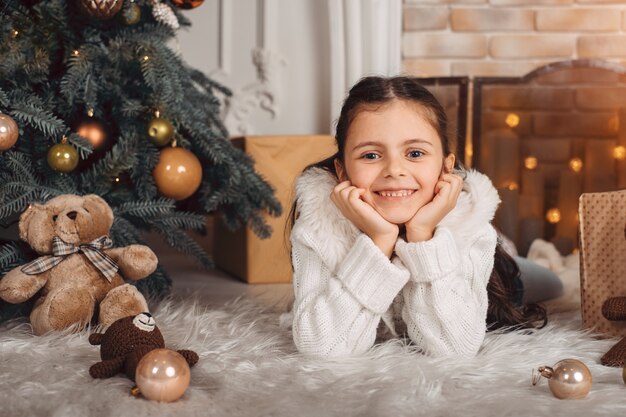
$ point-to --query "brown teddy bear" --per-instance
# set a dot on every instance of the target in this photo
(79, 272)
(614, 309)
(125, 342)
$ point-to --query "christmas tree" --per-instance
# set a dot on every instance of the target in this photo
(93, 100)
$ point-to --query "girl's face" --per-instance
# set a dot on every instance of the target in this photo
(396, 155)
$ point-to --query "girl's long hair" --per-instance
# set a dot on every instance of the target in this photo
(505, 309)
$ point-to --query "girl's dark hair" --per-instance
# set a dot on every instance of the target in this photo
(370, 93)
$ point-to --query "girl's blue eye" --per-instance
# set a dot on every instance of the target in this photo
(370, 155)
(415, 154)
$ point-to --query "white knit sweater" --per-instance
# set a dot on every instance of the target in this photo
(347, 291)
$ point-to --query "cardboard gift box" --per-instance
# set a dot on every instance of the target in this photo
(602, 257)
(279, 160)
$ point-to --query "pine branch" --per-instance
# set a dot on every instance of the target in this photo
(180, 240)
(43, 120)
(4, 98)
(146, 209)
(84, 147)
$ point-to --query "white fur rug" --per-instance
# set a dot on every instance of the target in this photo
(249, 367)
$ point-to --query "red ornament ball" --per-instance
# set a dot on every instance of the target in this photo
(187, 4)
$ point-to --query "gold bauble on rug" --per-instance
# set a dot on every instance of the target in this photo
(9, 132)
(63, 157)
(568, 379)
(187, 4)
(162, 375)
(101, 9)
(178, 173)
(160, 131)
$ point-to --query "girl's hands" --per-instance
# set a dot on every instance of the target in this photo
(423, 223)
(348, 200)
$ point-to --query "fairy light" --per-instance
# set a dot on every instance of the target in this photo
(90, 112)
(75, 52)
(576, 164)
(531, 162)
(619, 153)
(512, 120)
(511, 185)
(117, 179)
(146, 57)
(15, 33)
(553, 215)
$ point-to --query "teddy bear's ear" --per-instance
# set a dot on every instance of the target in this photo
(95, 338)
(102, 205)
(26, 217)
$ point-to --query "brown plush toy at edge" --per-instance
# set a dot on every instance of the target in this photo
(614, 309)
(125, 342)
(70, 292)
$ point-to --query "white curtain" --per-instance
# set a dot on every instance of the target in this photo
(365, 39)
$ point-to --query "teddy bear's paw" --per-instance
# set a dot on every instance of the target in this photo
(138, 261)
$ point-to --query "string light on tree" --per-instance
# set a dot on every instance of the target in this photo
(531, 162)
(160, 130)
(63, 157)
(9, 132)
(178, 173)
(576, 164)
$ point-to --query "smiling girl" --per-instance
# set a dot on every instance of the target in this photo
(391, 237)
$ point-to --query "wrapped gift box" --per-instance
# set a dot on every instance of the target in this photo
(279, 160)
(602, 257)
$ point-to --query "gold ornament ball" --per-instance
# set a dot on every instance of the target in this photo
(570, 379)
(187, 4)
(131, 15)
(63, 157)
(101, 9)
(9, 132)
(162, 375)
(160, 131)
(178, 173)
(93, 131)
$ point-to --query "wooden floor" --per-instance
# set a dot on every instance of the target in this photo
(215, 287)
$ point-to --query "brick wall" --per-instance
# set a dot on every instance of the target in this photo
(508, 37)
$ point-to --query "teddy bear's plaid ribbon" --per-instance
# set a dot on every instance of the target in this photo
(61, 249)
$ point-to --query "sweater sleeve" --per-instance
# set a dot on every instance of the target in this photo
(445, 300)
(337, 312)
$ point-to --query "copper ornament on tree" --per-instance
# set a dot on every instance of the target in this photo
(94, 131)
(178, 173)
(568, 379)
(9, 132)
(187, 4)
(63, 157)
(101, 9)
